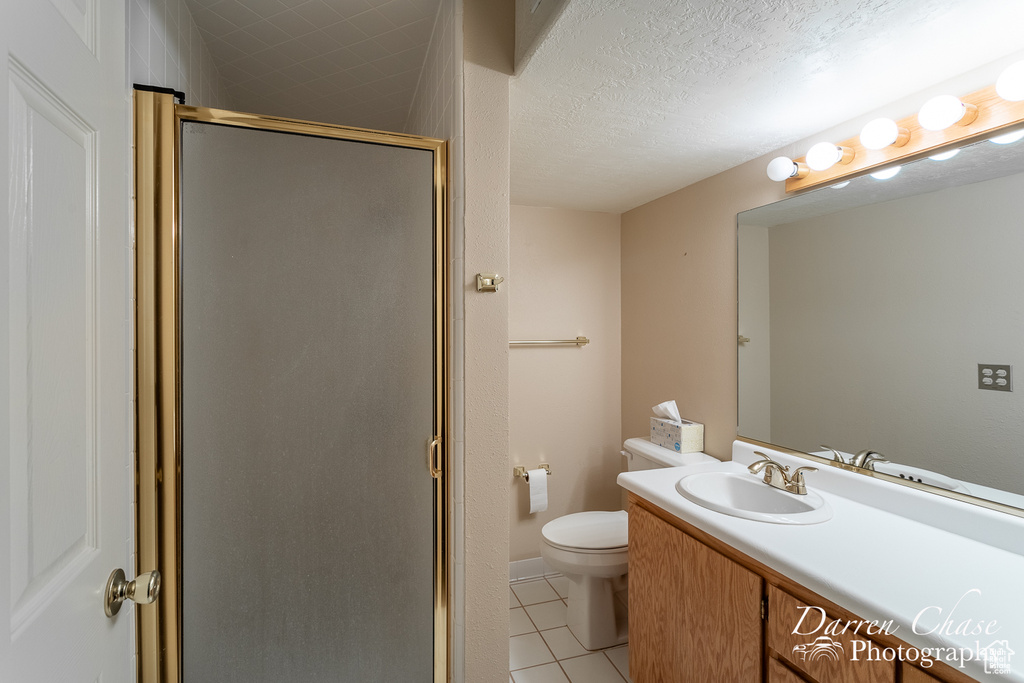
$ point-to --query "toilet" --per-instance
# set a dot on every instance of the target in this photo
(591, 550)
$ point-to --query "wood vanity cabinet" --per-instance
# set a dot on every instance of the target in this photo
(701, 611)
(691, 609)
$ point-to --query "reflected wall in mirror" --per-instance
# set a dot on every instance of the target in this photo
(869, 308)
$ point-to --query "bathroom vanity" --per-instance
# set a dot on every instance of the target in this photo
(714, 597)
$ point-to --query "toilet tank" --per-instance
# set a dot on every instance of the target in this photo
(641, 454)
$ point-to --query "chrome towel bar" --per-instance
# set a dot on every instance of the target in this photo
(578, 341)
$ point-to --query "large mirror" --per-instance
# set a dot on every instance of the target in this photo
(866, 310)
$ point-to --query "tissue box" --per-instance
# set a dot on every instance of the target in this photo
(685, 437)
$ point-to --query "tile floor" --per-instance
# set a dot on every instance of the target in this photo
(541, 647)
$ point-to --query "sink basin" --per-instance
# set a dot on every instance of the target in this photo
(741, 494)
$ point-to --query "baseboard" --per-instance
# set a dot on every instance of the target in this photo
(533, 568)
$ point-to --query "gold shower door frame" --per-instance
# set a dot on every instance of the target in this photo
(157, 131)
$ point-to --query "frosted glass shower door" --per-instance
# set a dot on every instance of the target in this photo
(308, 398)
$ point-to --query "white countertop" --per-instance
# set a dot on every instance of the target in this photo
(917, 561)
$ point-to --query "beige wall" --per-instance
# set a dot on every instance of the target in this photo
(679, 303)
(487, 66)
(564, 402)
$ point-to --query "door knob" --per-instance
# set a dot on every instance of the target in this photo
(143, 590)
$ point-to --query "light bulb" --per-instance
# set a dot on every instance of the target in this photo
(781, 168)
(887, 173)
(944, 155)
(1010, 84)
(825, 155)
(881, 133)
(1008, 138)
(839, 186)
(943, 111)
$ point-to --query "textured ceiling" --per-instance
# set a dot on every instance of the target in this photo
(355, 62)
(628, 100)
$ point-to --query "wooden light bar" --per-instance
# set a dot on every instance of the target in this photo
(994, 115)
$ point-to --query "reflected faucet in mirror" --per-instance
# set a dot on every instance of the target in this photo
(865, 458)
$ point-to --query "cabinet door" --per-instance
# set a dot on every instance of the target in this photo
(780, 673)
(829, 662)
(694, 615)
(915, 675)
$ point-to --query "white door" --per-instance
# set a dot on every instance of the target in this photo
(64, 341)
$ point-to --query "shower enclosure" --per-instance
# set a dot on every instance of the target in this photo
(291, 381)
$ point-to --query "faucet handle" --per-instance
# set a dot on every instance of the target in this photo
(836, 455)
(867, 459)
(796, 483)
(799, 472)
(756, 467)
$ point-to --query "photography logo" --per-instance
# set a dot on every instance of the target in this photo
(822, 647)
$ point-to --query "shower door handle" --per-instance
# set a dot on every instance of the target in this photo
(432, 452)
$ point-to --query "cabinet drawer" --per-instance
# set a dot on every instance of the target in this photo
(826, 661)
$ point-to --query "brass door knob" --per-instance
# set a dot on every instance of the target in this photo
(143, 590)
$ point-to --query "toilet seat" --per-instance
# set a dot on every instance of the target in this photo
(588, 532)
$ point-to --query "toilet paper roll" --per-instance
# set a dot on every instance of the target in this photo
(538, 490)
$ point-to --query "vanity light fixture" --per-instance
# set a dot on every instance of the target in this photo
(825, 155)
(887, 173)
(939, 113)
(1008, 138)
(839, 186)
(945, 155)
(782, 168)
(881, 133)
(1010, 84)
(943, 124)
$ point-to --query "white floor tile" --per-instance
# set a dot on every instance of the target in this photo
(620, 658)
(513, 601)
(563, 643)
(519, 623)
(532, 592)
(527, 650)
(549, 673)
(560, 584)
(593, 668)
(547, 615)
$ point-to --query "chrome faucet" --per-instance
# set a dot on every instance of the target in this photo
(775, 474)
(867, 459)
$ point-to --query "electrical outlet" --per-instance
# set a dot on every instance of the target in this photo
(995, 377)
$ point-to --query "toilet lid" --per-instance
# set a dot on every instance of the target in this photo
(588, 530)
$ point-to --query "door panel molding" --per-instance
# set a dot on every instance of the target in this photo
(52, 359)
(158, 363)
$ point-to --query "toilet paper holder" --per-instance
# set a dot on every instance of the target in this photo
(520, 471)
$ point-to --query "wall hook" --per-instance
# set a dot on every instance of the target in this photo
(488, 282)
